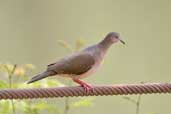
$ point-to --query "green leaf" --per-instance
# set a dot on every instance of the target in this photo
(51, 83)
(65, 45)
(28, 108)
(29, 66)
(83, 103)
(45, 106)
(79, 44)
(5, 107)
(3, 84)
(40, 105)
(7, 67)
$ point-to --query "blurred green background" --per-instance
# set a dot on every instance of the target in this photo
(30, 30)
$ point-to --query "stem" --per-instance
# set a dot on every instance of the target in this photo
(10, 73)
(13, 106)
(138, 104)
(66, 110)
(67, 103)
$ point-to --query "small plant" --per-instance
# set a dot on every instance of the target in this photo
(15, 76)
(136, 102)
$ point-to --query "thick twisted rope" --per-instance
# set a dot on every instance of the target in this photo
(79, 91)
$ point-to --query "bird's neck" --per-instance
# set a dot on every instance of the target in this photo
(105, 44)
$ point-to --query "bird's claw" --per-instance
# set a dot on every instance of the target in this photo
(87, 87)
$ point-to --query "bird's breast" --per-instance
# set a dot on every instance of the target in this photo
(98, 61)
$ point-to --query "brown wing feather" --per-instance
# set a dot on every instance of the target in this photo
(76, 65)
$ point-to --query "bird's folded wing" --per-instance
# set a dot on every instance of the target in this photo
(74, 65)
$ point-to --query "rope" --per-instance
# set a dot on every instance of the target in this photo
(79, 91)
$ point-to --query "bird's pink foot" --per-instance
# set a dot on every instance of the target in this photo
(87, 87)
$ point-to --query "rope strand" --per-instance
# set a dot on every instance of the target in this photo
(124, 89)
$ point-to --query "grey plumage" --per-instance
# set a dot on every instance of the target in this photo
(73, 65)
(80, 64)
(40, 76)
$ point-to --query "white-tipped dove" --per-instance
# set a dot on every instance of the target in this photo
(80, 64)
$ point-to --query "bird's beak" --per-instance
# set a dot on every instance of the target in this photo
(121, 41)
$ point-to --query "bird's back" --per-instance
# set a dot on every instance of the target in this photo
(75, 64)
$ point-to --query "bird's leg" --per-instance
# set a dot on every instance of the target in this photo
(85, 85)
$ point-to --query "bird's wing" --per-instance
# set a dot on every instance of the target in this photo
(74, 65)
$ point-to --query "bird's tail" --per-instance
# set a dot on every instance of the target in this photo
(40, 76)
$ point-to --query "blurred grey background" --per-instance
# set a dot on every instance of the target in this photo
(30, 30)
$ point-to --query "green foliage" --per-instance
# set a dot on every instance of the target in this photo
(5, 107)
(15, 76)
(136, 102)
(18, 73)
(79, 44)
(36, 108)
(3, 84)
(83, 102)
(65, 45)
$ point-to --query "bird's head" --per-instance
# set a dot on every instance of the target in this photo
(113, 37)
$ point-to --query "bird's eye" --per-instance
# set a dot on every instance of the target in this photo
(116, 36)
